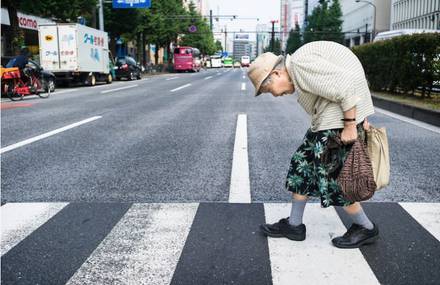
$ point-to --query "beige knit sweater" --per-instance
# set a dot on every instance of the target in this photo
(329, 79)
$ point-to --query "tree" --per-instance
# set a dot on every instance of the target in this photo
(203, 38)
(325, 23)
(61, 10)
(15, 33)
(218, 46)
(294, 41)
(276, 47)
(161, 24)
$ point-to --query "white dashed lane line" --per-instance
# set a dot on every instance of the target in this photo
(181, 87)
(48, 134)
(171, 78)
(120, 88)
(239, 191)
(243, 86)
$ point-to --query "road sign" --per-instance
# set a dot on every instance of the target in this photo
(131, 3)
(192, 29)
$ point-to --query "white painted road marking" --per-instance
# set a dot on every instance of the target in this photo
(244, 77)
(240, 191)
(181, 87)
(46, 135)
(120, 88)
(64, 91)
(307, 262)
(243, 86)
(208, 77)
(19, 220)
(172, 78)
(409, 120)
(426, 214)
(143, 248)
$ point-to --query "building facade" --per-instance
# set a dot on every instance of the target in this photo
(358, 20)
(201, 6)
(415, 14)
(243, 46)
(262, 38)
(292, 12)
(28, 24)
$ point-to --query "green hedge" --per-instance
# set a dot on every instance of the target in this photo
(402, 64)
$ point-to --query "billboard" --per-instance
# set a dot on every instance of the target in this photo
(241, 37)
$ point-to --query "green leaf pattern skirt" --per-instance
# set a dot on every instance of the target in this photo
(314, 167)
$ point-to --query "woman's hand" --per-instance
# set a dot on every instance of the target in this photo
(349, 134)
(366, 125)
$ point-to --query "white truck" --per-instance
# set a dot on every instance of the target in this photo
(75, 53)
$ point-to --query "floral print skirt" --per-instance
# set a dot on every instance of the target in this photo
(316, 164)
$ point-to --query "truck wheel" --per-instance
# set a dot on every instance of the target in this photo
(109, 79)
(91, 80)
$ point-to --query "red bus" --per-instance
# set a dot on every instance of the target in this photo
(187, 59)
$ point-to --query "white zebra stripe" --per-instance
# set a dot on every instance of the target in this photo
(315, 260)
(143, 248)
(18, 220)
(426, 214)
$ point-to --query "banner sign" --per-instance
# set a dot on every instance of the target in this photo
(131, 3)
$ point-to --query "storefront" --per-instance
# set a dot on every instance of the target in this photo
(28, 24)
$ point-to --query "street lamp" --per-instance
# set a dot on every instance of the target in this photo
(374, 18)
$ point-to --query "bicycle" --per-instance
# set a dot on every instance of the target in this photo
(16, 88)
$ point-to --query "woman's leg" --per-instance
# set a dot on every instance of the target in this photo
(297, 211)
(358, 215)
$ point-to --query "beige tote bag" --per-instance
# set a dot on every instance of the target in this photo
(377, 145)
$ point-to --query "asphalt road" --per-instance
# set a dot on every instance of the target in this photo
(154, 145)
(130, 183)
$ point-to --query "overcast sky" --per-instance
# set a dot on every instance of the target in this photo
(265, 10)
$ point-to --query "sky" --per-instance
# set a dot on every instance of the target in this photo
(264, 10)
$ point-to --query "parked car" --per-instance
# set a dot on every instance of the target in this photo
(48, 79)
(126, 67)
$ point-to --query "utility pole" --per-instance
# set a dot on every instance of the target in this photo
(101, 15)
(210, 19)
(226, 35)
(272, 40)
(306, 13)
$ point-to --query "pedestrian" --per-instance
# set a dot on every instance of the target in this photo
(332, 89)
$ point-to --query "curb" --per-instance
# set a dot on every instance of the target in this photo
(428, 116)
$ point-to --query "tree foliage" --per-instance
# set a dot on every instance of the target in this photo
(325, 23)
(203, 38)
(276, 47)
(294, 41)
(62, 10)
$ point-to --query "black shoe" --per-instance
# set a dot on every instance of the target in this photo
(284, 229)
(356, 236)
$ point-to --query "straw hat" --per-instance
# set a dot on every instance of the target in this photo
(261, 68)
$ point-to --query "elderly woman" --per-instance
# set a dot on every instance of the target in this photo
(333, 90)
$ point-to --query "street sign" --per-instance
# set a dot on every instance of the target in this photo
(192, 29)
(131, 4)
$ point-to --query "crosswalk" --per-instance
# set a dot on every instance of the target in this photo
(212, 243)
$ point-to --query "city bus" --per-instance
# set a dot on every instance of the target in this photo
(187, 59)
(216, 61)
(227, 62)
(245, 60)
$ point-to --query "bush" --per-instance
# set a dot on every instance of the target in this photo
(402, 64)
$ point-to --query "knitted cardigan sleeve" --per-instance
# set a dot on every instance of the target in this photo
(319, 76)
